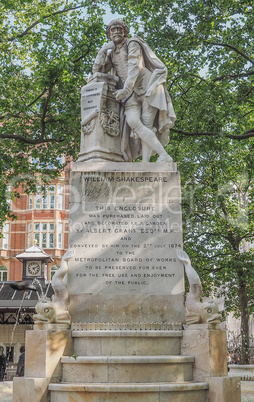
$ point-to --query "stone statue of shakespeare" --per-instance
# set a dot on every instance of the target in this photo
(147, 112)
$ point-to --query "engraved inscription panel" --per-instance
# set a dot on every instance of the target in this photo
(125, 228)
(91, 97)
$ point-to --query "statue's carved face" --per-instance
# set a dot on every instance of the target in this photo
(210, 313)
(116, 33)
(45, 311)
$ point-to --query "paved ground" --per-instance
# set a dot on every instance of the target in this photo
(246, 386)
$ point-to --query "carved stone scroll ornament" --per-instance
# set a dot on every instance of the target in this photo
(89, 127)
(88, 123)
(197, 312)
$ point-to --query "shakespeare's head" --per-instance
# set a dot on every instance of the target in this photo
(117, 23)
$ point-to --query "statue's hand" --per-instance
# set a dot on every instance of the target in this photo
(108, 46)
(121, 94)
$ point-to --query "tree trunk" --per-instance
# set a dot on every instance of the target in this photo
(243, 298)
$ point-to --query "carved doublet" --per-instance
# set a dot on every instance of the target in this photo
(129, 65)
(120, 62)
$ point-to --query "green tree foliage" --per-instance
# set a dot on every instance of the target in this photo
(46, 51)
(208, 49)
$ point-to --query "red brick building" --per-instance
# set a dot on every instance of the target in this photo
(41, 218)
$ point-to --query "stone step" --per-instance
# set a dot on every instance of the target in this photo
(119, 369)
(127, 343)
(156, 392)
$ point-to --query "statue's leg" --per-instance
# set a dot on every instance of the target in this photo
(146, 152)
(148, 114)
(146, 135)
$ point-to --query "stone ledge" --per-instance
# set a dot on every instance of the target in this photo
(151, 167)
(127, 333)
(126, 359)
(164, 387)
(126, 326)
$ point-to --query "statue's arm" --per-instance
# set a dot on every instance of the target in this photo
(134, 58)
(102, 62)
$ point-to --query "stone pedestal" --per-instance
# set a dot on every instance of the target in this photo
(125, 227)
(100, 124)
(44, 349)
(207, 343)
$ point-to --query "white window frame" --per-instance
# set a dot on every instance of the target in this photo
(3, 273)
(5, 243)
(44, 234)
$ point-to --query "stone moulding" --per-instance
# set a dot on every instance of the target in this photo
(142, 326)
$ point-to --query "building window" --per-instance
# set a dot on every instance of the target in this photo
(60, 235)
(3, 273)
(38, 201)
(53, 270)
(29, 235)
(60, 196)
(52, 197)
(52, 201)
(6, 236)
(45, 202)
(30, 202)
(44, 234)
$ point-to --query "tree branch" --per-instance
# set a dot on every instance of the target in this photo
(38, 97)
(244, 136)
(232, 48)
(45, 107)
(232, 76)
(38, 21)
(27, 140)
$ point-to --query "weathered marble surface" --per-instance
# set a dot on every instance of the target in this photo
(146, 107)
(126, 343)
(197, 311)
(128, 393)
(125, 227)
(44, 350)
(100, 120)
(223, 389)
(208, 346)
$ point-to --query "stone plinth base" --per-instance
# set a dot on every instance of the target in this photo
(224, 389)
(125, 228)
(87, 308)
(129, 392)
(44, 350)
(30, 389)
(208, 346)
